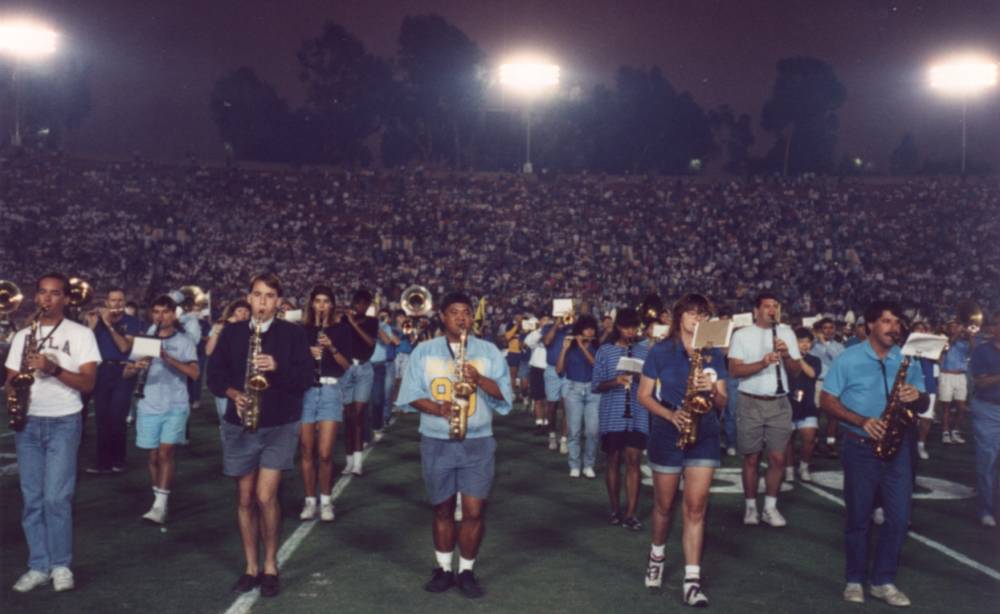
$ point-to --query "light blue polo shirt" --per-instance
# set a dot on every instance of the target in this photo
(858, 379)
(166, 388)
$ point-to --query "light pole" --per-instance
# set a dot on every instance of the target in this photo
(530, 81)
(24, 41)
(963, 78)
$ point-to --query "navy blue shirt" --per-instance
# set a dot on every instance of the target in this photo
(340, 337)
(803, 395)
(553, 349)
(129, 326)
(986, 361)
(668, 363)
(578, 368)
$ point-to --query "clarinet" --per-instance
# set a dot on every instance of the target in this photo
(777, 370)
(628, 390)
(140, 387)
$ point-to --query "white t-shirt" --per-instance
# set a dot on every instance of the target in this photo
(538, 352)
(70, 346)
(749, 344)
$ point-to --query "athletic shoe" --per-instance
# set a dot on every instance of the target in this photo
(553, 444)
(751, 517)
(654, 573)
(988, 520)
(956, 437)
(308, 510)
(563, 446)
(890, 594)
(730, 451)
(804, 473)
(96, 471)
(117, 469)
(615, 518)
(588, 472)
(440, 581)
(946, 438)
(30, 580)
(326, 513)
(574, 473)
(789, 474)
(269, 585)
(922, 451)
(773, 517)
(246, 583)
(878, 516)
(854, 593)
(693, 595)
(632, 523)
(62, 579)
(156, 515)
(377, 436)
(468, 585)
(349, 467)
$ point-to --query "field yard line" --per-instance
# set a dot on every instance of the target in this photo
(7, 434)
(246, 601)
(945, 550)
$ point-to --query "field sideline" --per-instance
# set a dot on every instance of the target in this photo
(547, 549)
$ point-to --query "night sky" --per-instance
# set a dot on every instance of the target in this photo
(154, 62)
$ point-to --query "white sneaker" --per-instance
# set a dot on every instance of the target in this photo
(946, 437)
(751, 517)
(693, 595)
(588, 472)
(878, 516)
(574, 473)
(789, 474)
(553, 443)
(308, 510)
(988, 520)
(956, 437)
(377, 436)
(30, 580)
(156, 515)
(563, 446)
(854, 593)
(326, 513)
(922, 451)
(773, 517)
(349, 467)
(654, 573)
(730, 451)
(62, 579)
(804, 473)
(891, 595)
(356, 469)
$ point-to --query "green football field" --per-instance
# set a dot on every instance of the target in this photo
(547, 547)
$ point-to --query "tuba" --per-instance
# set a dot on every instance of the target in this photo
(970, 316)
(416, 301)
(897, 418)
(696, 404)
(254, 383)
(463, 390)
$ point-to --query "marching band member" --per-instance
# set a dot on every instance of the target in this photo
(985, 369)
(356, 386)
(255, 458)
(235, 311)
(456, 466)
(163, 410)
(552, 338)
(576, 364)
(804, 415)
(662, 390)
(323, 405)
(63, 360)
(855, 392)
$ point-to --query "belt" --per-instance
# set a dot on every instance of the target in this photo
(953, 372)
(855, 436)
(115, 363)
(328, 381)
(763, 397)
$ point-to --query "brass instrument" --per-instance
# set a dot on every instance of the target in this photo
(197, 296)
(463, 390)
(10, 299)
(970, 316)
(696, 403)
(650, 309)
(19, 398)
(140, 387)
(254, 383)
(568, 318)
(896, 416)
(80, 292)
(416, 301)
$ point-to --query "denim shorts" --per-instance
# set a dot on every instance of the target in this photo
(809, 422)
(323, 403)
(271, 447)
(666, 457)
(356, 385)
(553, 385)
(153, 429)
(451, 466)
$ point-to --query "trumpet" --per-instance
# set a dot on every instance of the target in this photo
(568, 318)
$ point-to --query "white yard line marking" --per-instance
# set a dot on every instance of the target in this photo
(945, 550)
(246, 601)
(7, 434)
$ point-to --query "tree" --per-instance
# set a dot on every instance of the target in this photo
(801, 113)
(251, 117)
(905, 159)
(736, 135)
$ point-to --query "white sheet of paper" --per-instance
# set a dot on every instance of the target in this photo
(293, 315)
(923, 345)
(630, 364)
(660, 331)
(743, 319)
(713, 334)
(143, 347)
(561, 306)
(809, 322)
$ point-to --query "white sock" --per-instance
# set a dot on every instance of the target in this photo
(310, 500)
(770, 503)
(443, 560)
(920, 445)
(657, 552)
(552, 435)
(692, 572)
(357, 459)
(160, 498)
(324, 499)
(751, 504)
(803, 465)
(831, 440)
(349, 460)
(465, 564)
(538, 422)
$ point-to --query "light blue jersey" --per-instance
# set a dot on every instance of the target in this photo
(430, 374)
(166, 388)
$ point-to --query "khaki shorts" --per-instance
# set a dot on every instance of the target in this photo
(953, 387)
(762, 424)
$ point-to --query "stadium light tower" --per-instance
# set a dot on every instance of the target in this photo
(963, 77)
(24, 41)
(529, 81)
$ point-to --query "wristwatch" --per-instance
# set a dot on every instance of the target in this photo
(58, 370)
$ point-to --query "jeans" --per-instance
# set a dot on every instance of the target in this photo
(729, 415)
(112, 402)
(378, 395)
(390, 383)
(582, 413)
(866, 477)
(46, 459)
(986, 431)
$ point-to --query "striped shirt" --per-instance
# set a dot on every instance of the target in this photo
(612, 409)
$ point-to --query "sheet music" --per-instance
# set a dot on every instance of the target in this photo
(630, 364)
(144, 347)
(713, 334)
(923, 345)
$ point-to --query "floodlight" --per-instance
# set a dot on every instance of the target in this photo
(26, 40)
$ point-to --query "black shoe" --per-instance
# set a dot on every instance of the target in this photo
(632, 523)
(269, 586)
(246, 583)
(440, 581)
(615, 518)
(469, 586)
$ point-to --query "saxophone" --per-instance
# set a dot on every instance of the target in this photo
(254, 383)
(696, 404)
(19, 399)
(896, 416)
(458, 422)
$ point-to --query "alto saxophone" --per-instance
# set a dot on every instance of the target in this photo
(696, 403)
(896, 416)
(463, 390)
(19, 399)
(254, 383)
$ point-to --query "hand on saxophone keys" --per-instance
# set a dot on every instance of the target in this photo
(470, 374)
(703, 382)
(680, 419)
(241, 401)
(875, 428)
(265, 363)
(39, 363)
(446, 409)
(908, 393)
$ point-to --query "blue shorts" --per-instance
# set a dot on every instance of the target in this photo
(270, 447)
(153, 429)
(553, 385)
(513, 359)
(666, 457)
(322, 403)
(356, 385)
(452, 466)
(523, 369)
(809, 422)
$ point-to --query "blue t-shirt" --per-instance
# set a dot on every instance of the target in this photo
(381, 349)
(863, 382)
(956, 358)
(611, 417)
(166, 388)
(929, 367)
(553, 350)
(668, 363)
(986, 361)
(129, 326)
(578, 368)
(430, 374)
